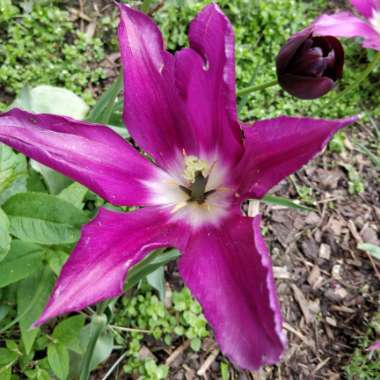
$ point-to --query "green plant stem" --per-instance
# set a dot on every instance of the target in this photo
(362, 77)
(99, 322)
(248, 90)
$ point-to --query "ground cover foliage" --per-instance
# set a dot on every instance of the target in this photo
(328, 287)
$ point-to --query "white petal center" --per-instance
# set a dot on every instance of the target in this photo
(375, 20)
(166, 190)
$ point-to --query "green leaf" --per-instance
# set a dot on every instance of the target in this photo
(44, 219)
(74, 194)
(67, 332)
(58, 358)
(56, 260)
(196, 344)
(372, 156)
(371, 249)
(285, 202)
(13, 173)
(22, 260)
(156, 279)
(32, 296)
(66, 103)
(122, 131)
(104, 343)
(7, 356)
(224, 371)
(102, 111)
(39, 100)
(151, 263)
(55, 181)
(6, 373)
(43, 232)
(5, 239)
(4, 310)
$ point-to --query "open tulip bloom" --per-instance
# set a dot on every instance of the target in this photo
(181, 110)
(345, 24)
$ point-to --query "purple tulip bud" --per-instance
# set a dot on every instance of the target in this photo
(308, 66)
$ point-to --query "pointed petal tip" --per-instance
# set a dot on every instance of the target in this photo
(266, 262)
(245, 297)
(109, 246)
(214, 8)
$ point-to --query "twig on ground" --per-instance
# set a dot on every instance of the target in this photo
(297, 333)
(207, 363)
(178, 351)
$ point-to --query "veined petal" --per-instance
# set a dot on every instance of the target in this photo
(344, 24)
(88, 153)
(111, 244)
(276, 148)
(153, 111)
(366, 7)
(228, 269)
(205, 75)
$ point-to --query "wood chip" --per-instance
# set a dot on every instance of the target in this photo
(336, 271)
(298, 334)
(207, 363)
(145, 353)
(281, 273)
(302, 302)
(90, 30)
(325, 251)
(189, 372)
(178, 351)
(331, 321)
(351, 226)
(315, 279)
(342, 309)
(320, 365)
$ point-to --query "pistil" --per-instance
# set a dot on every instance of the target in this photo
(197, 191)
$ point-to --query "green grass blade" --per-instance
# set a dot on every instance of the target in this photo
(102, 111)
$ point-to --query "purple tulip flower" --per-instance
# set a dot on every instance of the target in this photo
(308, 66)
(181, 110)
(345, 24)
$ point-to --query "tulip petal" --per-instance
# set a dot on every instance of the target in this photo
(346, 25)
(88, 153)
(205, 75)
(153, 111)
(228, 270)
(366, 7)
(276, 148)
(109, 246)
(306, 87)
(374, 346)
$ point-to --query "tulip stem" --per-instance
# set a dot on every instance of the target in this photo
(361, 78)
(248, 90)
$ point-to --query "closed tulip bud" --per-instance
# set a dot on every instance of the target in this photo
(308, 66)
